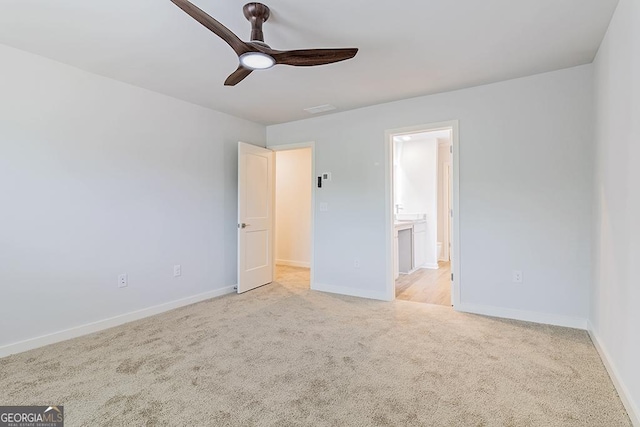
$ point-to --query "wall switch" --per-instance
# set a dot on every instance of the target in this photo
(356, 263)
(177, 270)
(123, 281)
(324, 207)
(517, 276)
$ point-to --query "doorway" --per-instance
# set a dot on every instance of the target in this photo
(422, 218)
(293, 216)
(260, 259)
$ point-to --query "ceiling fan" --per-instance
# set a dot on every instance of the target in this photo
(256, 54)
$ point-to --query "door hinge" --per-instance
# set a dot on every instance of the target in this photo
(451, 149)
(452, 277)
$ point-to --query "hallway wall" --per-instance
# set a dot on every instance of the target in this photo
(293, 207)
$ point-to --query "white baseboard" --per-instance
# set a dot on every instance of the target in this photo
(527, 316)
(342, 290)
(632, 408)
(100, 325)
(291, 263)
(430, 266)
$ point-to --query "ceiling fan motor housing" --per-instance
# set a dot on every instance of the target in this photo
(257, 14)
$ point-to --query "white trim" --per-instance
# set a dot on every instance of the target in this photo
(100, 325)
(446, 204)
(296, 146)
(455, 256)
(430, 266)
(291, 263)
(632, 409)
(342, 290)
(527, 316)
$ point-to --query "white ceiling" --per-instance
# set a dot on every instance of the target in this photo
(407, 48)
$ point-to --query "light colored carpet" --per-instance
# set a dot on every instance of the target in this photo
(283, 355)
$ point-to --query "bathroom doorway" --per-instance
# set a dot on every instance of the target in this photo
(422, 220)
(293, 215)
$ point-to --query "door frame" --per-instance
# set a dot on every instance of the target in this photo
(389, 211)
(446, 204)
(297, 146)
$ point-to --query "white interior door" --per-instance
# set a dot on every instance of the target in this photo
(255, 216)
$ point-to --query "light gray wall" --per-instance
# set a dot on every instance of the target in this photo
(99, 178)
(615, 318)
(525, 191)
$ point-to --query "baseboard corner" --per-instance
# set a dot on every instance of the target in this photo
(625, 396)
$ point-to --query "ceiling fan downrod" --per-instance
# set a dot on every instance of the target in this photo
(257, 14)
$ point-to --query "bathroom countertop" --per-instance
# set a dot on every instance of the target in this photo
(404, 224)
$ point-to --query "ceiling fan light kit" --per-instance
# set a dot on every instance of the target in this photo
(257, 61)
(256, 54)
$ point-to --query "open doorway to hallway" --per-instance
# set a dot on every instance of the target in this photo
(422, 213)
(293, 219)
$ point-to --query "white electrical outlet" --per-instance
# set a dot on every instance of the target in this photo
(324, 207)
(517, 276)
(356, 263)
(177, 270)
(123, 281)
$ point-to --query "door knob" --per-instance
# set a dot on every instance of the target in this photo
(243, 225)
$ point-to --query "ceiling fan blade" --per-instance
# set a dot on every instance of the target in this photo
(310, 57)
(223, 32)
(237, 76)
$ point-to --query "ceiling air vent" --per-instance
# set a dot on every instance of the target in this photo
(320, 109)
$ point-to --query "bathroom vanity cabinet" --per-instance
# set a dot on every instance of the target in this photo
(409, 246)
